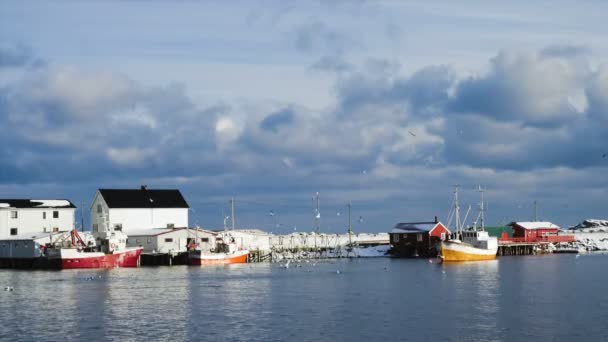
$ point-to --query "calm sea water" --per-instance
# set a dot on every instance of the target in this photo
(546, 298)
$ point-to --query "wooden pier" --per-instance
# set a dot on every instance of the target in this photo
(505, 249)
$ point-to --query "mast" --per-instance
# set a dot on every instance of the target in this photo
(457, 209)
(535, 211)
(482, 207)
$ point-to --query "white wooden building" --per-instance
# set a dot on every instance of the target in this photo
(131, 210)
(22, 216)
(171, 241)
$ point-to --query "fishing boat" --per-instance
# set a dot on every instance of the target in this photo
(224, 253)
(473, 244)
(75, 253)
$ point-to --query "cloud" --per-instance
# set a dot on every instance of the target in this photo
(275, 120)
(529, 87)
(318, 37)
(18, 55)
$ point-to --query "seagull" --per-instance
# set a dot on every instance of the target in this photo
(412, 133)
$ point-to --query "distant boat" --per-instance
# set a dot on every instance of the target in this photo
(469, 245)
(224, 253)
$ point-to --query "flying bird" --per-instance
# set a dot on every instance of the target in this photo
(412, 133)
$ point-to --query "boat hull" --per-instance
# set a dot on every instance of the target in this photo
(238, 257)
(456, 252)
(72, 259)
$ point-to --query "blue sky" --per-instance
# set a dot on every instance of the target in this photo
(383, 103)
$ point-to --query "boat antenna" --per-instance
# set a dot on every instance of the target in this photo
(81, 216)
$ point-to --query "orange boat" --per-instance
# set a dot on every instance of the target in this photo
(224, 253)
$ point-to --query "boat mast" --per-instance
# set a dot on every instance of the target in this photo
(457, 209)
(482, 207)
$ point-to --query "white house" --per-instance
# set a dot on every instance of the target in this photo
(171, 241)
(21, 216)
(130, 210)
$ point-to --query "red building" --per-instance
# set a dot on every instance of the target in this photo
(412, 239)
(534, 231)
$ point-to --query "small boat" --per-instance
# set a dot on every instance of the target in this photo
(112, 252)
(224, 253)
(469, 245)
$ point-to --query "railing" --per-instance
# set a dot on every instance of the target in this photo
(539, 239)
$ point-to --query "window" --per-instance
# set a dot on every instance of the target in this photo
(419, 237)
(99, 209)
(170, 225)
(137, 240)
(169, 240)
(149, 241)
(95, 227)
(55, 214)
(118, 227)
(13, 231)
(14, 214)
(396, 237)
(204, 239)
(44, 215)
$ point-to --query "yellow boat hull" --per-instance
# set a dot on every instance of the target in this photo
(460, 252)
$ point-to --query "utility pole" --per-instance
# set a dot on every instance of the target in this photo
(81, 216)
(318, 215)
(535, 211)
(232, 211)
(350, 224)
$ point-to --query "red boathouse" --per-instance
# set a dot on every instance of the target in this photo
(534, 231)
(411, 239)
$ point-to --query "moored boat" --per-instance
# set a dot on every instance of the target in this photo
(112, 252)
(469, 245)
(223, 253)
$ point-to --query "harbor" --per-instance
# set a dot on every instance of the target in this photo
(148, 227)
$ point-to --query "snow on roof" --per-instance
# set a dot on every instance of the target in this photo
(153, 231)
(534, 225)
(414, 227)
(30, 236)
(35, 203)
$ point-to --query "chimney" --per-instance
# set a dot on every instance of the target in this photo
(436, 220)
(144, 187)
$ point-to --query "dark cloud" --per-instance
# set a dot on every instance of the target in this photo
(18, 55)
(274, 121)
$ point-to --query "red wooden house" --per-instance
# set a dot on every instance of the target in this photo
(410, 239)
(534, 231)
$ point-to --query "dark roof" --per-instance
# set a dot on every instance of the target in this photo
(29, 203)
(415, 227)
(143, 198)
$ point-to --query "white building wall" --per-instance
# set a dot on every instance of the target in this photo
(31, 220)
(133, 220)
(99, 215)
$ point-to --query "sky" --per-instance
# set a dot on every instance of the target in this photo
(385, 104)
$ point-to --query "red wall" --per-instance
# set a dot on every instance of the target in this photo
(532, 233)
(440, 229)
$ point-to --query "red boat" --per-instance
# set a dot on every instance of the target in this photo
(111, 253)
